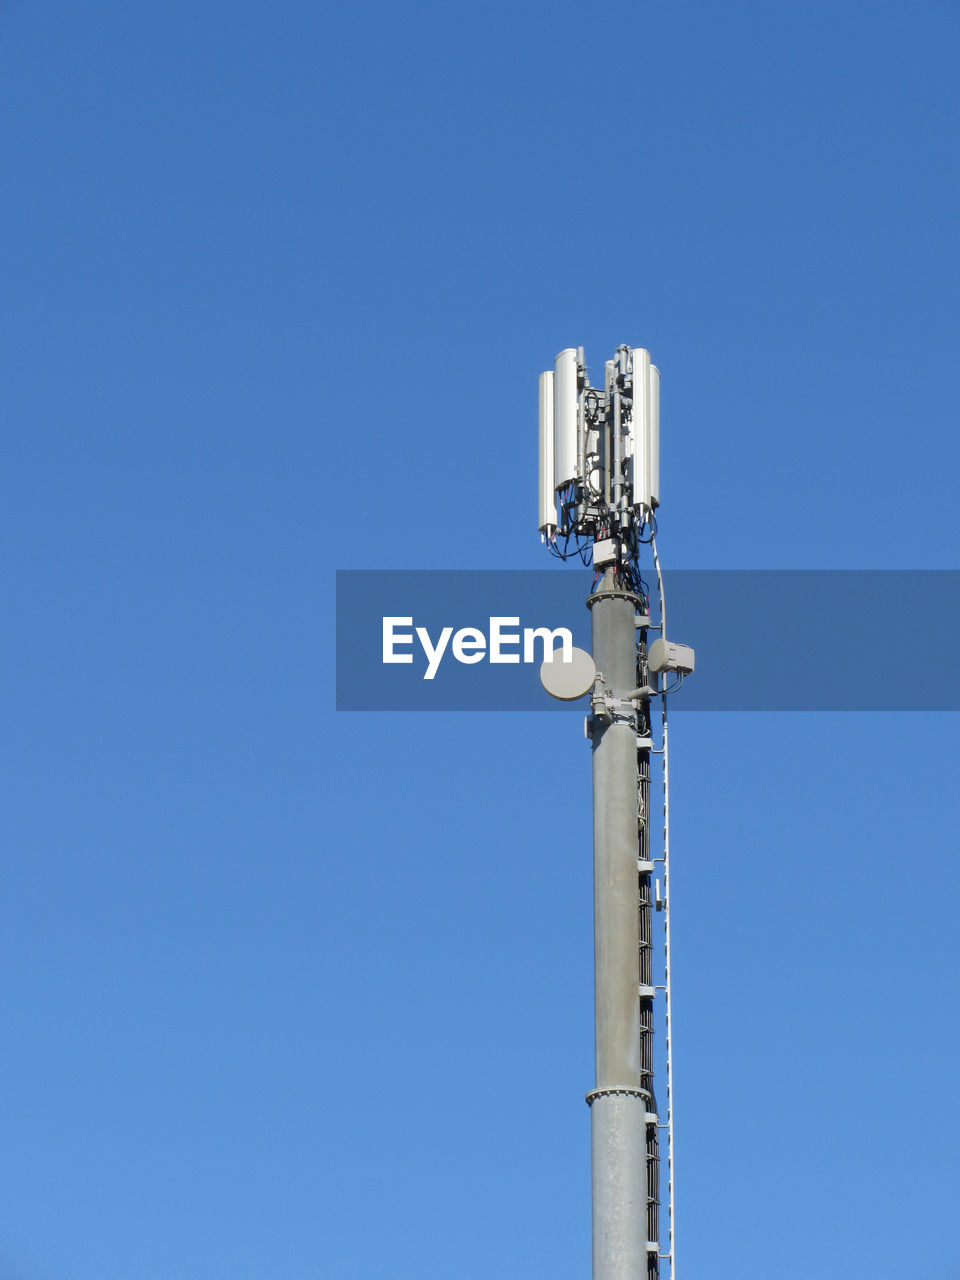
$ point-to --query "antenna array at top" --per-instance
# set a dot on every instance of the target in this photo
(599, 451)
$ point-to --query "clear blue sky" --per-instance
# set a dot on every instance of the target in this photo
(297, 995)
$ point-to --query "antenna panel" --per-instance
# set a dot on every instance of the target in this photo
(565, 418)
(640, 429)
(548, 496)
(654, 436)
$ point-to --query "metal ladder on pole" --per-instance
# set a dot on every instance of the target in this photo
(670, 1254)
(645, 866)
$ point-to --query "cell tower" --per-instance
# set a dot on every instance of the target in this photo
(599, 490)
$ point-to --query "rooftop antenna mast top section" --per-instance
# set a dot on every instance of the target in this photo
(599, 449)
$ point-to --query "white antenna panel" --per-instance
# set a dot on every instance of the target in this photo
(640, 429)
(548, 497)
(654, 436)
(565, 418)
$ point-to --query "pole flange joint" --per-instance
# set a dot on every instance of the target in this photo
(625, 1090)
(616, 594)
